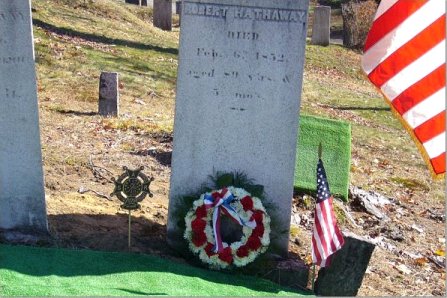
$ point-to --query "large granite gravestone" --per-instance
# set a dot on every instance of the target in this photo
(162, 14)
(321, 27)
(22, 197)
(238, 98)
(108, 94)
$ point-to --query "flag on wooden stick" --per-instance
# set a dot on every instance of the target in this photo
(326, 237)
(404, 56)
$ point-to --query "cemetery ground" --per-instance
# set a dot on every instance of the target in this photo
(76, 40)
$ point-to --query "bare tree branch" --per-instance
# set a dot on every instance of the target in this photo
(98, 171)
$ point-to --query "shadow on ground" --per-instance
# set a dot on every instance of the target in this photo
(163, 157)
(76, 113)
(102, 39)
(109, 233)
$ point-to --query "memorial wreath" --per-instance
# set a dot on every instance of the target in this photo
(203, 222)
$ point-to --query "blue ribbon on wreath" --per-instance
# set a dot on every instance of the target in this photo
(220, 201)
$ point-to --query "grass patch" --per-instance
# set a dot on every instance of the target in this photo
(410, 183)
(77, 40)
(136, 125)
(28, 271)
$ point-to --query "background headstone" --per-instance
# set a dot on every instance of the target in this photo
(22, 197)
(108, 94)
(137, 2)
(238, 97)
(321, 26)
(345, 274)
(178, 10)
(178, 7)
(163, 14)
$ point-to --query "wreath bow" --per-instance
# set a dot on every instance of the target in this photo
(221, 201)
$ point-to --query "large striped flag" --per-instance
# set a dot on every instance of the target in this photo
(326, 236)
(404, 57)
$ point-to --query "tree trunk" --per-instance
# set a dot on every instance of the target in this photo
(357, 19)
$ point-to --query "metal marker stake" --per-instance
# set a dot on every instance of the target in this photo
(320, 151)
(131, 187)
(130, 218)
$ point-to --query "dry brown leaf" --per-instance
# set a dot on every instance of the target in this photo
(308, 260)
(421, 261)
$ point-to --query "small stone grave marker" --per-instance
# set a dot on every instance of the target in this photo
(238, 98)
(178, 7)
(162, 14)
(137, 2)
(348, 266)
(321, 28)
(178, 10)
(22, 197)
(108, 94)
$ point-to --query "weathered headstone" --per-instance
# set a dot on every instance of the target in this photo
(162, 14)
(22, 197)
(108, 94)
(178, 10)
(178, 7)
(238, 97)
(321, 27)
(345, 274)
(137, 2)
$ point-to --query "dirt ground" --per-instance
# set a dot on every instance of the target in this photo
(407, 261)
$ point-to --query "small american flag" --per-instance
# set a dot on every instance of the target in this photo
(404, 56)
(326, 237)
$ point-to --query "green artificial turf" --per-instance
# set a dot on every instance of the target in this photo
(335, 137)
(31, 271)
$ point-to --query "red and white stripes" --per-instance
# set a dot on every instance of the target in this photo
(326, 237)
(404, 56)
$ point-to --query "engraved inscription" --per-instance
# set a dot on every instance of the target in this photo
(9, 93)
(259, 77)
(208, 53)
(242, 55)
(279, 15)
(244, 95)
(244, 13)
(243, 35)
(11, 16)
(249, 61)
(205, 10)
(12, 60)
(273, 57)
(238, 94)
(231, 74)
(201, 74)
(237, 75)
